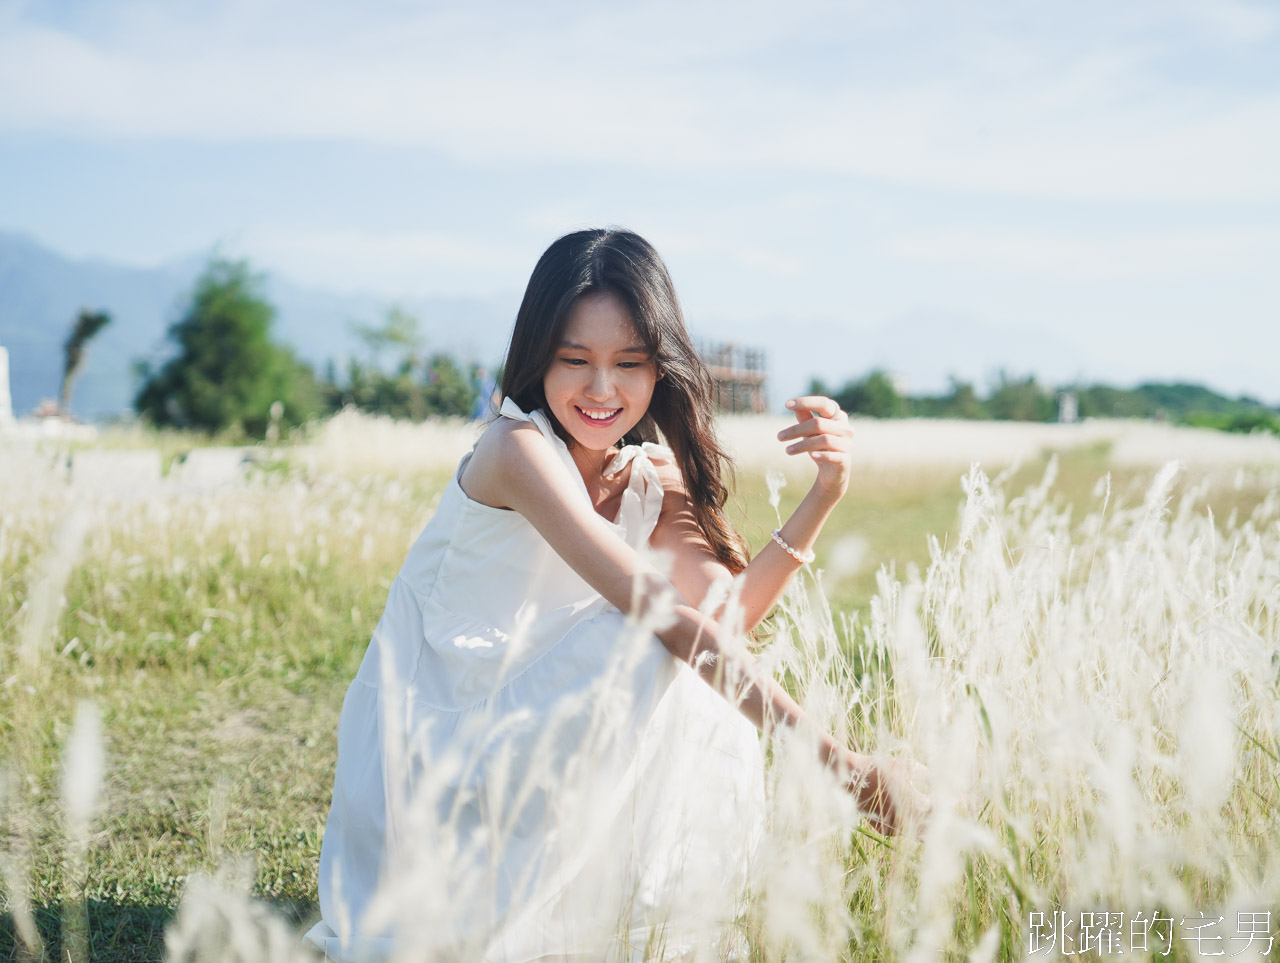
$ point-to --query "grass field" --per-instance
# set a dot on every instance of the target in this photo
(1082, 647)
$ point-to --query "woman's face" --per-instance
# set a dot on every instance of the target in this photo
(602, 376)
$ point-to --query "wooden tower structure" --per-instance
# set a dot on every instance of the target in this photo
(739, 375)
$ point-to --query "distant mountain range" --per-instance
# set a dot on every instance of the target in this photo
(42, 291)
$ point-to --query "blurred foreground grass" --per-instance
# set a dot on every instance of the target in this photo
(217, 634)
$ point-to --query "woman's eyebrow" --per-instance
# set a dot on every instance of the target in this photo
(635, 348)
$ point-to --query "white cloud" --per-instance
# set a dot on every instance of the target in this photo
(1003, 107)
(407, 262)
(1230, 20)
(1175, 253)
(771, 262)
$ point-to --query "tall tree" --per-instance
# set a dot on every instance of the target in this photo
(399, 331)
(88, 323)
(874, 395)
(228, 371)
(1019, 400)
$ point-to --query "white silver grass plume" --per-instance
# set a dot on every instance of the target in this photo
(13, 873)
(47, 595)
(1084, 699)
(82, 770)
(219, 922)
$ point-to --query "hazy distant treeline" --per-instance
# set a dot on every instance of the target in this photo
(1013, 399)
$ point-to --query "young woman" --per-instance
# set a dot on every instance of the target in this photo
(546, 751)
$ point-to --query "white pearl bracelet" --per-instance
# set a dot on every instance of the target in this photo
(803, 559)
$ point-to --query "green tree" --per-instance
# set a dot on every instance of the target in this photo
(818, 387)
(1104, 401)
(874, 395)
(228, 371)
(963, 401)
(449, 390)
(399, 331)
(1025, 400)
(398, 380)
(88, 324)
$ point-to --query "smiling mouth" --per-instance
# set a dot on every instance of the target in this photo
(598, 416)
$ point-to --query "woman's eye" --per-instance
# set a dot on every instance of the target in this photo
(579, 362)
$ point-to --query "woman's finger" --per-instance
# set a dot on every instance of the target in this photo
(838, 444)
(818, 404)
(817, 425)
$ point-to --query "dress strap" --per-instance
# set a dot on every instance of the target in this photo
(537, 417)
(513, 411)
(642, 501)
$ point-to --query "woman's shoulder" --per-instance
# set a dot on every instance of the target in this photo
(501, 430)
(504, 446)
(668, 474)
(675, 498)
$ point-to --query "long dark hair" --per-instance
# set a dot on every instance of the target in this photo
(626, 265)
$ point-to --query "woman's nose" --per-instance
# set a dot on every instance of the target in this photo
(600, 388)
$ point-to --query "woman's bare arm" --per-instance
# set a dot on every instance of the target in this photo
(822, 431)
(515, 466)
(695, 569)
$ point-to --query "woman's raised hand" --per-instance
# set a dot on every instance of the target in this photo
(822, 430)
(888, 791)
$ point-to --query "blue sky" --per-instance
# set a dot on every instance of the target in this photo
(1077, 188)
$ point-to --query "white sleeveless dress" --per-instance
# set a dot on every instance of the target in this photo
(522, 773)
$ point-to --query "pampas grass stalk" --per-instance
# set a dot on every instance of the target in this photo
(81, 785)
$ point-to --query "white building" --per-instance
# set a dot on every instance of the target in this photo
(1068, 408)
